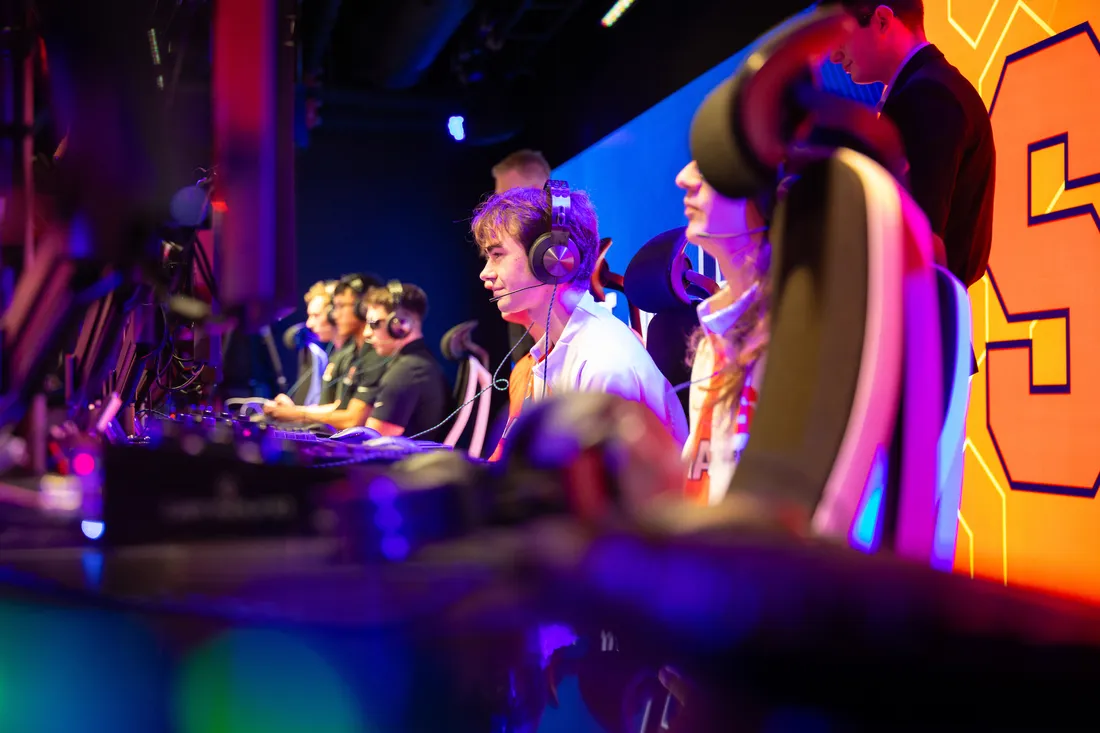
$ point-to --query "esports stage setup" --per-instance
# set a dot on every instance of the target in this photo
(193, 571)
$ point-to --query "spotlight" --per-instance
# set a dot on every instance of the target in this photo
(93, 530)
(455, 126)
(615, 12)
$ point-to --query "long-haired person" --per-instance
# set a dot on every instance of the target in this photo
(729, 348)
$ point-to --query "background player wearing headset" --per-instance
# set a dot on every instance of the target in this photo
(313, 351)
(350, 365)
(733, 335)
(540, 248)
(319, 314)
(412, 395)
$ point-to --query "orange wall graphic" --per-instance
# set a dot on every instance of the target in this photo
(1030, 515)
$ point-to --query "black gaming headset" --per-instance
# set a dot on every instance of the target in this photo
(554, 256)
(330, 311)
(397, 327)
(358, 283)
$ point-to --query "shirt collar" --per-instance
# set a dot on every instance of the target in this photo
(721, 311)
(586, 310)
(890, 85)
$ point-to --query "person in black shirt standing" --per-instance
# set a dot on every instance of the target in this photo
(353, 363)
(412, 395)
(943, 124)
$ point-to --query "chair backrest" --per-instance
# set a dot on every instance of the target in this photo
(828, 399)
(660, 281)
(849, 412)
(954, 309)
(473, 377)
(667, 339)
(603, 279)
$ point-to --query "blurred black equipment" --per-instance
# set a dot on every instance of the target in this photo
(119, 211)
(255, 60)
(113, 188)
(276, 360)
(298, 336)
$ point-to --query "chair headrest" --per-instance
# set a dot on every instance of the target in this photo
(744, 130)
(456, 344)
(600, 272)
(667, 338)
(654, 279)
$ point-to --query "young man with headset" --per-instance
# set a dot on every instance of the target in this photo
(412, 396)
(313, 345)
(353, 363)
(540, 247)
(522, 169)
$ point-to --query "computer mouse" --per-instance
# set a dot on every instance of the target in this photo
(320, 429)
(356, 435)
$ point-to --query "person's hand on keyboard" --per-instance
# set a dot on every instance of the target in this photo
(277, 411)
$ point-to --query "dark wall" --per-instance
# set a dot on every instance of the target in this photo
(608, 76)
(398, 204)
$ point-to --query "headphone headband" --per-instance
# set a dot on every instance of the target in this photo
(554, 257)
(356, 282)
(397, 292)
(560, 204)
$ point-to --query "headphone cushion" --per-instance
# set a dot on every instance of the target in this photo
(396, 327)
(565, 261)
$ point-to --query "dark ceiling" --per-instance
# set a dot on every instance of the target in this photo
(516, 69)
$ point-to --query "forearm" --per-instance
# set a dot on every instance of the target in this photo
(349, 418)
(385, 428)
(315, 413)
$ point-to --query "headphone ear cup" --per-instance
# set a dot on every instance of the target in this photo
(397, 327)
(552, 262)
(361, 310)
(330, 315)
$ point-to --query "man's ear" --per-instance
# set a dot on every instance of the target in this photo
(882, 18)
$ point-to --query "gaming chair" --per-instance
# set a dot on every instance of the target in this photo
(603, 279)
(473, 377)
(850, 410)
(954, 305)
(659, 280)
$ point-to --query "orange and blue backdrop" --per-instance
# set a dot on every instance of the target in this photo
(1029, 515)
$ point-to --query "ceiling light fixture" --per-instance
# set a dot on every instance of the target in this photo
(616, 12)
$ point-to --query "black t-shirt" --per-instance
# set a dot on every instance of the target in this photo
(366, 371)
(412, 392)
(338, 364)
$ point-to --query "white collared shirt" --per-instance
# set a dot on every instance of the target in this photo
(597, 352)
(890, 85)
(319, 358)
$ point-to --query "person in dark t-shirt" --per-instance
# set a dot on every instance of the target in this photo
(353, 363)
(412, 396)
